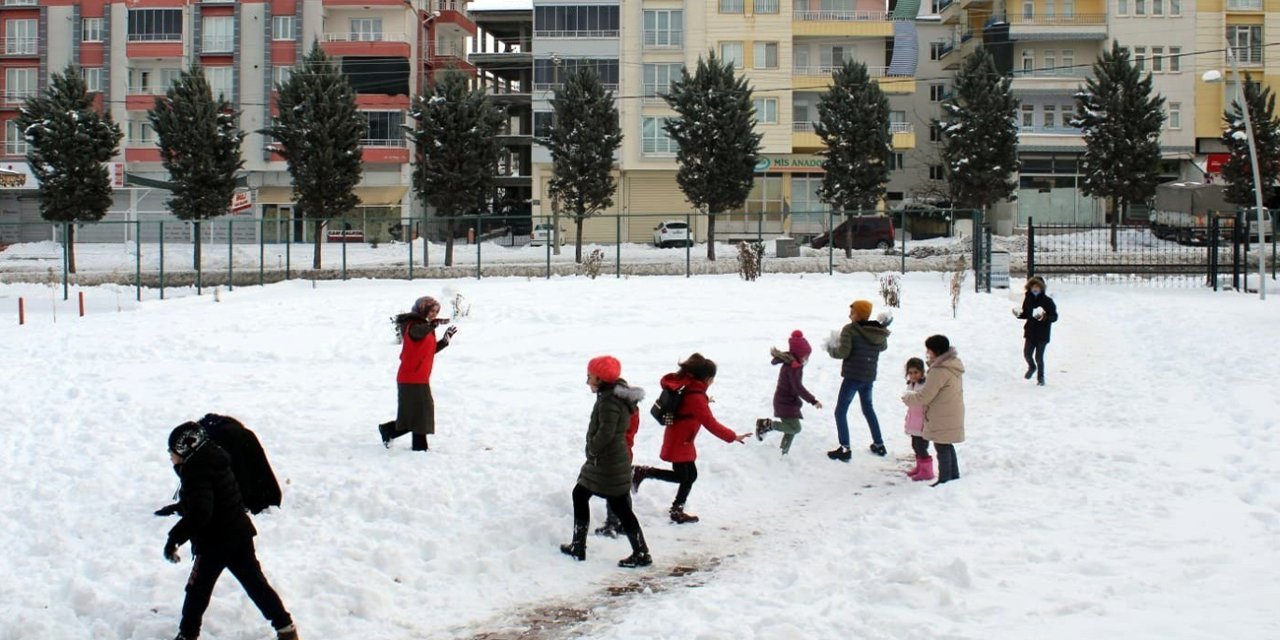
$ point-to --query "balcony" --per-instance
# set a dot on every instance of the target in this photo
(1050, 137)
(552, 86)
(21, 46)
(358, 43)
(385, 150)
(142, 150)
(1078, 26)
(17, 97)
(819, 78)
(841, 23)
(956, 49)
(1247, 56)
(16, 147)
(218, 45)
(1248, 6)
(453, 14)
(805, 138)
(583, 34)
(154, 45)
(1061, 80)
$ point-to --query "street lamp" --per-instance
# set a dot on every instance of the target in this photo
(1213, 76)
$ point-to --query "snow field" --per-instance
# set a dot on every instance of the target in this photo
(1130, 498)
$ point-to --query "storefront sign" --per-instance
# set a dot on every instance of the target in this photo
(789, 163)
(18, 175)
(1214, 164)
(241, 201)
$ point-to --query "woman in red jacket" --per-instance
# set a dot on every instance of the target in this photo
(695, 375)
(416, 409)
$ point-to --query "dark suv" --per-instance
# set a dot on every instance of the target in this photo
(869, 232)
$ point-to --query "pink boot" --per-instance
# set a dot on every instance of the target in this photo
(911, 473)
(924, 469)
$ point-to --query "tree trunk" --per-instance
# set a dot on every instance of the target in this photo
(555, 233)
(577, 241)
(71, 248)
(448, 244)
(195, 253)
(315, 261)
(711, 237)
(848, 235)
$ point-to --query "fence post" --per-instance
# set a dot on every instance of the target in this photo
(66, 260)
(617, 261)
(262, 250)
(1031, 247)
(688, 245)
(161, 232)
(231, 255)
(903, 221)
(288, 252)
(137, 254)
(408, 233)
(1211, 249)
(479, 251)
(344, 250)
(195, 229)
(555, 238)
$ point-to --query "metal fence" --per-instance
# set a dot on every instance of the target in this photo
(160, 254)
(1216, 255)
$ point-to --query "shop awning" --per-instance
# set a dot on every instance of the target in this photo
(369, 196)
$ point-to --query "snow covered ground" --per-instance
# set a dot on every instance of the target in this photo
(1132, 497)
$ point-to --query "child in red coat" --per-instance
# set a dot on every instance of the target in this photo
(696, 374)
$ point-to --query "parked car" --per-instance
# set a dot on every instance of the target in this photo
(541, 234)
(869, 232)
(672, 233)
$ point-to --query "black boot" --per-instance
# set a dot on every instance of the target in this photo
(388, 432)
(878, 449)
(639, 552)
(678, 515)
(763, 426)
(946, 468)
(1031, 371)
(419, 442)
(840, 453)
(611, 527)
(638, 474)
(577, 548)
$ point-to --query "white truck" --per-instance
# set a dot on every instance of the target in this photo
(1183, 212)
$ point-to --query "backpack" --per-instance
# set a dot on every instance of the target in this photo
(258, 486)
(665, 407)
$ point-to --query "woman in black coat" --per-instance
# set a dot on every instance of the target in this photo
(1040, 313)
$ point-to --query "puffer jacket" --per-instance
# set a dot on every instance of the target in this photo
(790, 394)
(213, 514)
(607, 471)
(693, 414)
(943, 400)
(860, 346)
(1037, 331)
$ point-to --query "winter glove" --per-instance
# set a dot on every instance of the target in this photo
(169, 509)
(171, 552)
(448, 334)
(1017, 313)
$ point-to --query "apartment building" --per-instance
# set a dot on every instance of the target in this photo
(130, 52)
(502, 55)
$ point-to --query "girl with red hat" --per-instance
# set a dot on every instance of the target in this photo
(790, 392)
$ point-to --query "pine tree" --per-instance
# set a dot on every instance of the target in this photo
(717, 145)
(457, 150)
(582, 144)
(318, 131)
(853, 123)
(980, 134)
(200, 147)
(70, 143)
(1237, 171)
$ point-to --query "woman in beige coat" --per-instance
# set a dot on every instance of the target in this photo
(943, 400)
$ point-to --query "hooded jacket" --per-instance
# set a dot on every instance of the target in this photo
(693, 414)
(943, 399)
(790, 392)
(213, 514)
(1037, 331)
(860, 346)
(607, 471)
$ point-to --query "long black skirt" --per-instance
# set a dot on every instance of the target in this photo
(416, 410)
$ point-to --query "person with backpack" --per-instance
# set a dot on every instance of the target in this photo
(416, 409)
(607, 471)
(1040, 312)
(859, 346)
(691, 381)
(258, 486)
(215, 521)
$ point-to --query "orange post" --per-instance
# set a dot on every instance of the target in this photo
(22, 311)
(81, 304)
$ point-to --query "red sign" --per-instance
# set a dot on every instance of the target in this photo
(241, 201)
(1215, 162)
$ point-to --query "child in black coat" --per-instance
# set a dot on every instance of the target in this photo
(1040, 312)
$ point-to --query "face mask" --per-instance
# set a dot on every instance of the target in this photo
(1035, 292)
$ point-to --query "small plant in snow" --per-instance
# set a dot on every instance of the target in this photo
(959, 270)
(891, 290)
(593, 263)
(461, 308)
(750, 257)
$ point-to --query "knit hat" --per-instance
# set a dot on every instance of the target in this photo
(606, 368)
(186, 438)
(798, 346)
(862, 309)
(422, 306)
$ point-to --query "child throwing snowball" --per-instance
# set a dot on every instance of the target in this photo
(915, 424)
(790, 392)
(858, 345)
(416, 409)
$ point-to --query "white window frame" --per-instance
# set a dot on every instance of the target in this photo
(1050, 112)
(664, 28)
(1028, 120)
(365, 30)
(384, 143)
(1122, 7)
(937, 91)
(739, 51)
(1175, 8)
(1140, 8)
(1028, 9)
(1069, 9)
(216, 76)
(731, 6)
(653, 79)
(761, 50)
(22, 36)
(20, 83)
(766, 110)
(1157, 8)
(91, 29)
(93, 78)
(659, 144)
(1175, 116)
(15, 141)
(218, 34)
(1157, 59)
(280, 74)
(284, 28)
(1140, 58)
(766, 7)
(1050, 59)
(1069, 60)
(1175, 59)
(1050, 10)
(1252, 46)
(1028, 60)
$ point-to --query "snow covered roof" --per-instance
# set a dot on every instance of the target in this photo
(500, 5)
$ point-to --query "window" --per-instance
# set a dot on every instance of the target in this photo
(20, 37)
(664, 28)
(765, 55)
(1068, 114)
(835, 57)
(656, 140)
(936, 172)
(19, 84)
(800, 117)
(731, 6)
(221, 81)
(1175, 7)
(732, 52)
(282, 28)
(1050, 116)
(1246, 43)
(91, 30)
(218, 35)
(897, 162)
(366, 30)
(93, 78)
(1139, 7)
(1157, 7)
(1175, 59)
(1028, 116)
(936, 49)
(20, 3)
(1050, 59)
(800, 58)
(935, 132)
(1028, 9)
(141, 134)
(766, 6)
(15, 143)
(1028, 60)
(576, 21)
(765, 196)
(1157, 59)
(281, 74)
(386, 129)
(937, 92)
(1069, 8)
(766, 110)
(1049, 10)
(805, 203)
(548, 73)
(1175, 115)
(1122, 7)
(543, 124)
(155, 25)
(1140, 58)
(1244, 5)
(1068, 58)
(658, 79)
